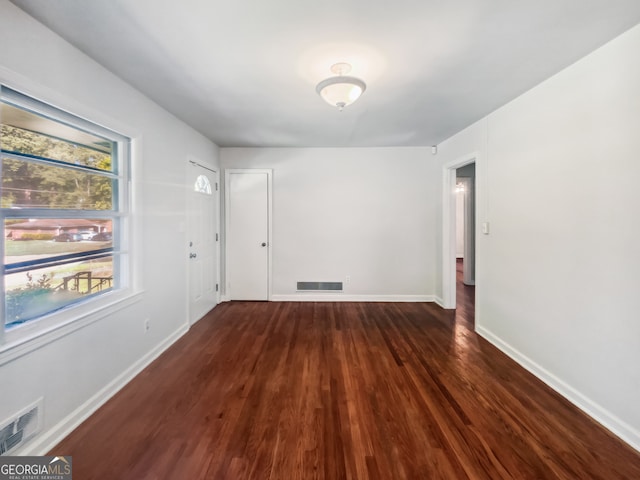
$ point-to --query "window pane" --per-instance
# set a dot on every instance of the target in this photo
(40, 291)
(41, 238)
(27, 133)
(202, 185)
(31, 184)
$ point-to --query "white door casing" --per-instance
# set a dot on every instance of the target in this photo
(202, 238)
(248, 233)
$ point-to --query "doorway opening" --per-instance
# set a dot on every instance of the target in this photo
(465, 245)
(466, 221)
(459, 229)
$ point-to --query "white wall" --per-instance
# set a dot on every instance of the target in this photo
(78, 371)
(557, 276)
(367, 213)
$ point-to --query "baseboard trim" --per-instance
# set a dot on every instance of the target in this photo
(333, 297)
(439, 301)
(610, 421)
(43, 443)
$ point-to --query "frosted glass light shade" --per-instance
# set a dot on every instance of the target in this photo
(341, 90)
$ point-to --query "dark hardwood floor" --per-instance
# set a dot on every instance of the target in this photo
(336, 391)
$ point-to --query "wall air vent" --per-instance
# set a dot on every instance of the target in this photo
(319, 286)
(16, 430)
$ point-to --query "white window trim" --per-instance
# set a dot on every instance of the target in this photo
(25, 339)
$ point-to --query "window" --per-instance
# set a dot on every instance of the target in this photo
(203, 185)
(64, 206)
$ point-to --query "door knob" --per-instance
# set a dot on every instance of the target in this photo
(264, 244)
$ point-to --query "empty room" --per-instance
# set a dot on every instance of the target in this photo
(336, 240)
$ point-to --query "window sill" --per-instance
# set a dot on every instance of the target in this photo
(24, 340)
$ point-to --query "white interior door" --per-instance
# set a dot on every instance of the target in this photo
(202, 238)
(469, 270)
(248, 233)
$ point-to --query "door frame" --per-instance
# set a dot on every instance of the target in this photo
(227, 202)
(190, 163)
(449, 226)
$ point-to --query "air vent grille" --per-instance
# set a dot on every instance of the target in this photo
(319, 286)
(20, 428)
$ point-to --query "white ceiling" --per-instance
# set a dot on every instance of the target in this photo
(243, 72)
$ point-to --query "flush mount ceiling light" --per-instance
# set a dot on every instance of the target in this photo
(341, 90)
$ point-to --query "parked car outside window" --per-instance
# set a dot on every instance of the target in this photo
(102, 237)
(67, 237)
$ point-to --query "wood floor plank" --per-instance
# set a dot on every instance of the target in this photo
(341, 391)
